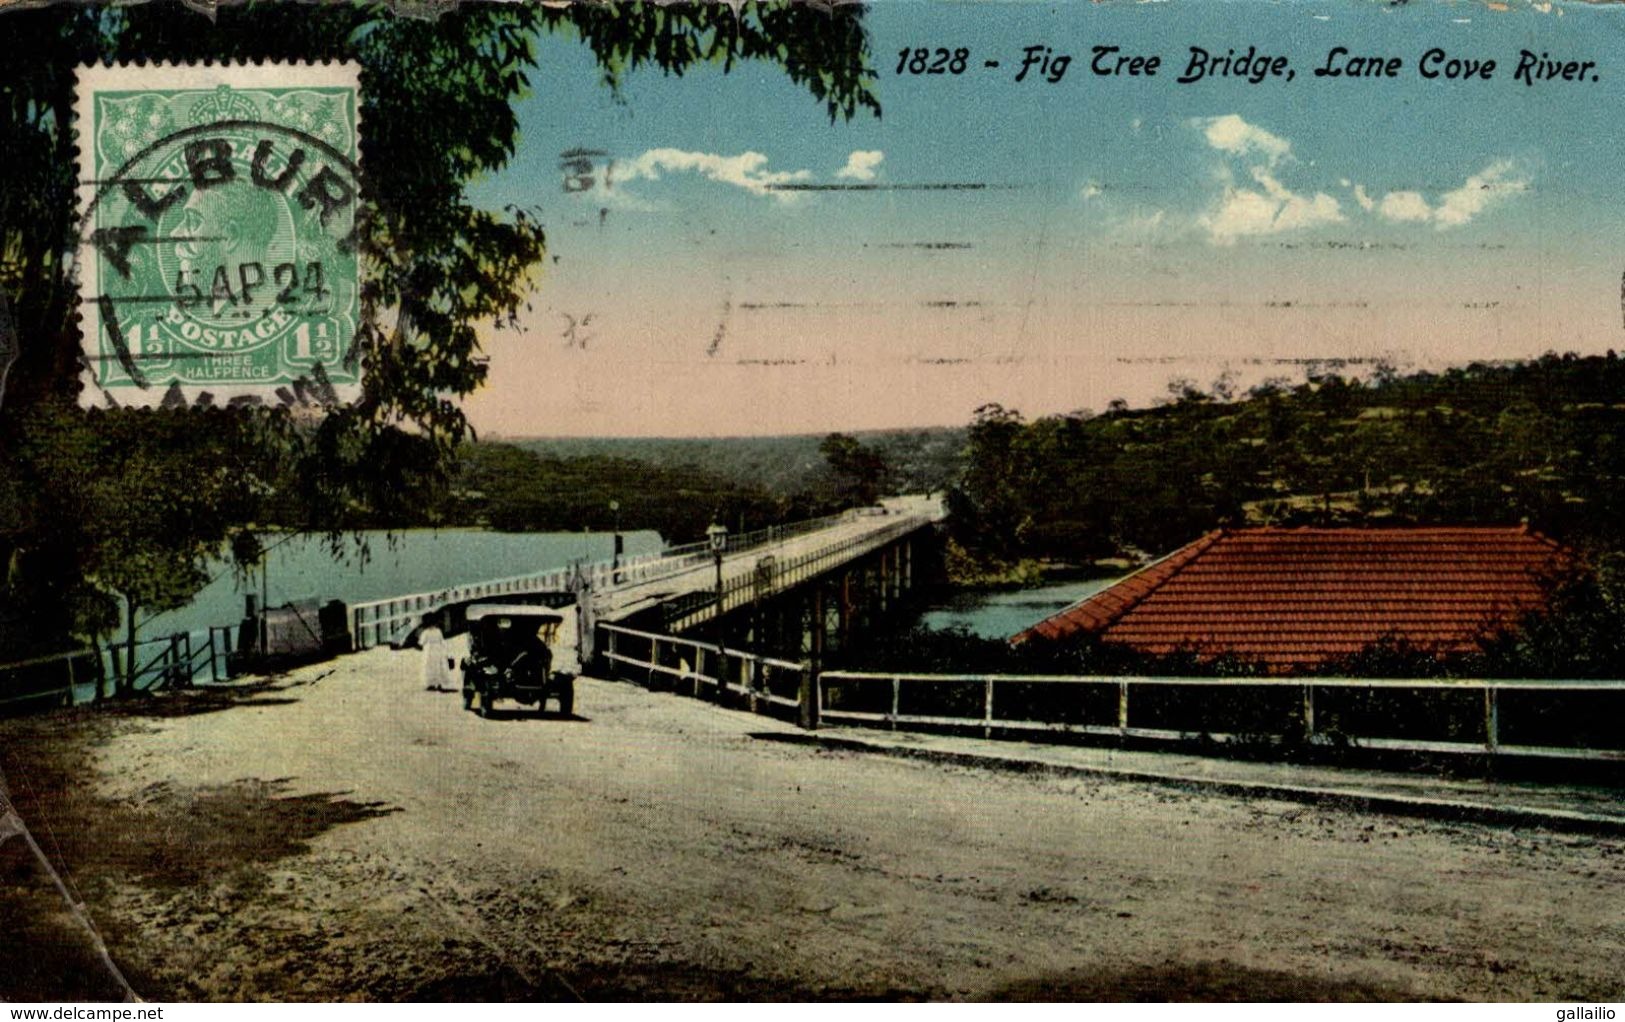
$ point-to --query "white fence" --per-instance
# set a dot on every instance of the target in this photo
(1578, 719)
(1526, 718)
(702, 668)
(382, 621)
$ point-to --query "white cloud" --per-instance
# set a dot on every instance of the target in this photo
(1489, 187)
(1230, 134)
(1404, 207)
(1269, 206)
(1271, 209)
(860, 166)
(746, 170)
(1090, 189)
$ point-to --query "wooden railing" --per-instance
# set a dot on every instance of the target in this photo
(701, 669)
(1530, 718)
(1534, 718)
(183, 658)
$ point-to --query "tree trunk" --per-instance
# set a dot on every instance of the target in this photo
(101, 667)
(126, 685)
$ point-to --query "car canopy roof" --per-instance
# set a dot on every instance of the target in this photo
(481, 610)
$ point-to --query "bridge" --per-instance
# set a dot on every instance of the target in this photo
(687, 587)
(756, 628)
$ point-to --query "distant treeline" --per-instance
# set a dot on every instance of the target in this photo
(1540, 441)
(505, 487)
(917, 460)
(678, 487)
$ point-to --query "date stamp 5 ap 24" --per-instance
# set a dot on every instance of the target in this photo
(217, 250)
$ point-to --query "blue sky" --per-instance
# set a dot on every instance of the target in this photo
(1132, 230)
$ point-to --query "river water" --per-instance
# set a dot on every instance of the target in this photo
(999, 614)
(418, 560)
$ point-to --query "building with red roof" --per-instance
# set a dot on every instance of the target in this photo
(1297, 598)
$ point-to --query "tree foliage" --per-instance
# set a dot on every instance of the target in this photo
(504, 487)
(857, 474)
(917, 460)
(1542, 442)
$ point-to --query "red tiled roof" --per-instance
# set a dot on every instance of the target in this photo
(1300, 597)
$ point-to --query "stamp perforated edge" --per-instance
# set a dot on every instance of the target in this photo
(88, 79)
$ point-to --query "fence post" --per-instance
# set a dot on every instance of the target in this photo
(987, 707)
(214, 669)
(1492, 720)
(73, 696)
(896, 699)
(614, 665)
(1122, 708)
(811, 697)
(1309, 713)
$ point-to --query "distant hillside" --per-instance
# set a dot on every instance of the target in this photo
(921, 459)
(514, 490)
(1541, 441)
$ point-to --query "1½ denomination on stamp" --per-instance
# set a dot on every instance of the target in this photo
(217, 252)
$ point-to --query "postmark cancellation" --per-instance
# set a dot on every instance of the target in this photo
(217, 252)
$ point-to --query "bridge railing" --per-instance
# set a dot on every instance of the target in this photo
(741, 541)
(765, 579)
(1531, 718)
(687, 556)
(763, 683)
(374, 622)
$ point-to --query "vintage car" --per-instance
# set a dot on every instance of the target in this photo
(513, 653)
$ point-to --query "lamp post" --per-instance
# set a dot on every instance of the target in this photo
(718, 536)
(615, 558)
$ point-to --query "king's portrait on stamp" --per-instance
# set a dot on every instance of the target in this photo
(218, 257)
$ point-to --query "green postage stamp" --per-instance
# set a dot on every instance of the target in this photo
(217, 250)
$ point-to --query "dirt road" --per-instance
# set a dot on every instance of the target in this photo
(344, 834)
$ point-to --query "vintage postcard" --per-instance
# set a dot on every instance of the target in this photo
(800, 500)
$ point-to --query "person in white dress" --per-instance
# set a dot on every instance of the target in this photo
(433, 643)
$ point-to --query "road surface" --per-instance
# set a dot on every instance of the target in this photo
(345, 834)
